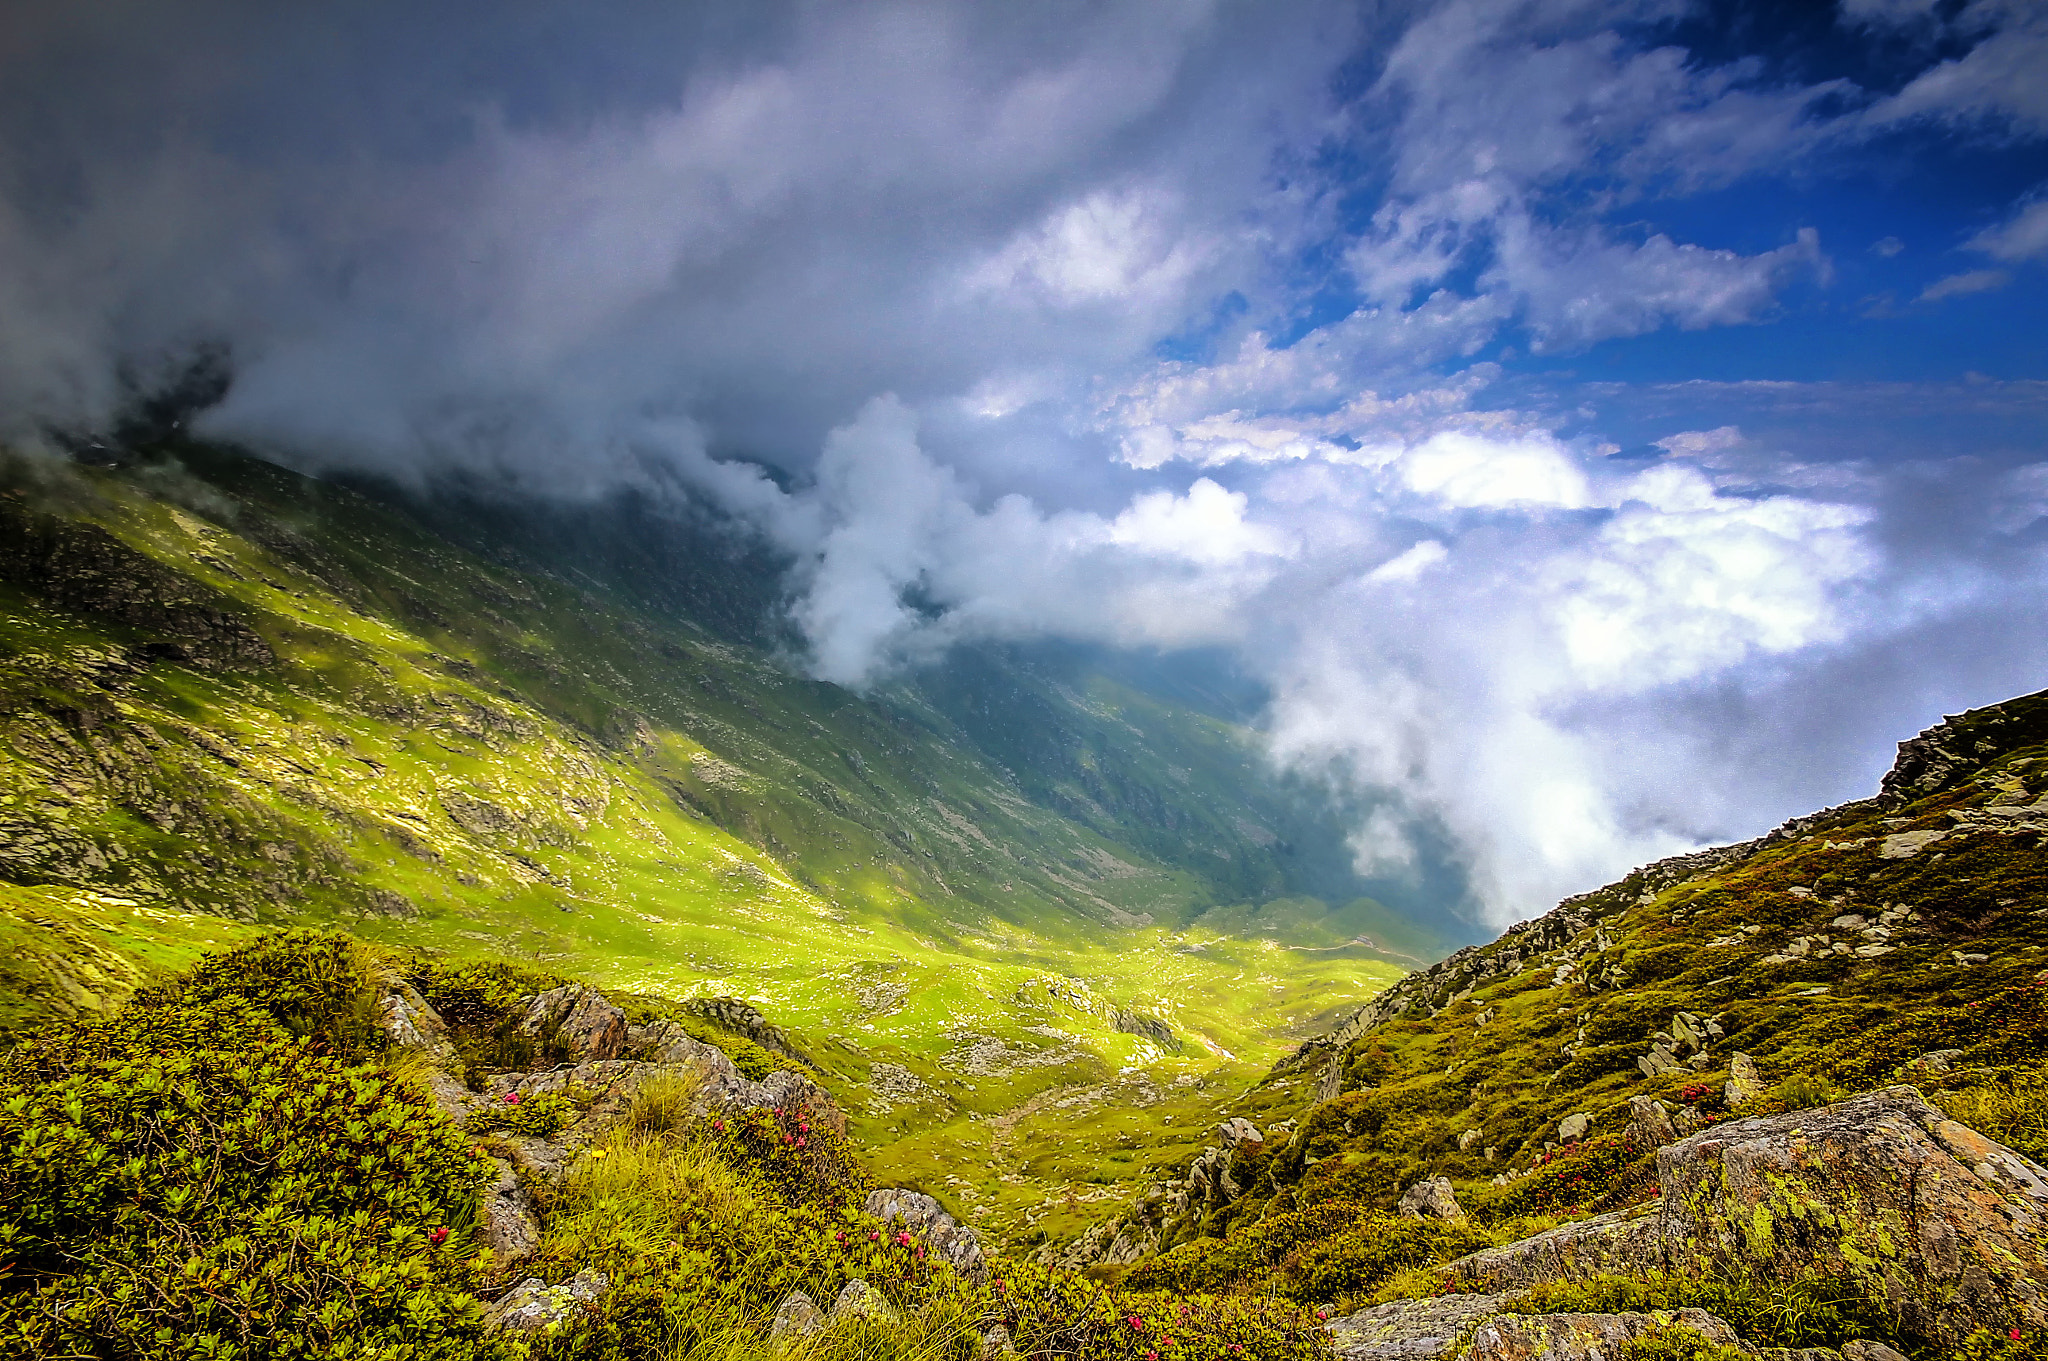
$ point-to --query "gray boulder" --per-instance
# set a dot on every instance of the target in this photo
(1407, 1329)
(1573, 1127)
(859, 1300)
(1745, 1084)
(1649, 1123)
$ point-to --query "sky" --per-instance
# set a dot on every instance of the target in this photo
(1605, 426)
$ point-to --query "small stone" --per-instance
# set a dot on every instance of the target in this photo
(1469, 1138)
(1431, 1198)
(1573, 1127)
(859, 1300)
(797, 1316)
(996, 1342)
(1848, 921)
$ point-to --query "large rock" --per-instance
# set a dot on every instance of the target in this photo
(721, 1086)
(1881, 1191)
(951, 1241)
(1411, 1328)
(1431, 1198)
(1583, 1337)
(536, 1309)
(580, 1019)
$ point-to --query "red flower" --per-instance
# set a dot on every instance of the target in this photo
(903, 1237)
(440, 1236)
(874, 1237)
(511, 1098)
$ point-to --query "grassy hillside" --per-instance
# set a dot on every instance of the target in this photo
(1014, 897)
(1899, 939)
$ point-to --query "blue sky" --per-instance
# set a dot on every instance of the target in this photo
(1604, 425)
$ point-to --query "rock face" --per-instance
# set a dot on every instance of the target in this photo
(579, 1018)
(535, 1309)
(1583, 1337)
(949, 1240)
(1882, 1191)
(85, 568)
(722, 1086)
(1431, 1198)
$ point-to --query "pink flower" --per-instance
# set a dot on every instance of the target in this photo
(438, 1237)
(799, 1141)
(874, 1236)
(903, 1237)
(511, 1098)
(718, 1125)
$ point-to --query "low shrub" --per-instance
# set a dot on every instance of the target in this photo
(1365, 1254)
(193, 1181)
(1607, 1169)
(1680, 1343)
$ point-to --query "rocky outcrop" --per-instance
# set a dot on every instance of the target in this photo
(740, 1018)
(578, 1018)
(534, 1309)
(948, 1239)
(1147, 1028)
(1881, 1191)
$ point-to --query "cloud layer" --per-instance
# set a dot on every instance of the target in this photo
(1163, 327)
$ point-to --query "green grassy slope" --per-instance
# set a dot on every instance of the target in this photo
(1838, 952)
(232, 696)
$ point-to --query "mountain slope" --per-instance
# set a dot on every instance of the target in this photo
(1901, 938)
(233, 696)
